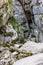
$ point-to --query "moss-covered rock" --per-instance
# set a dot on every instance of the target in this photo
(8, 34)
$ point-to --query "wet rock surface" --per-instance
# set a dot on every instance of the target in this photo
(32, 47)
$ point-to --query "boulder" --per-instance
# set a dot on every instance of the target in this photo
(32, 60)
(32, 47)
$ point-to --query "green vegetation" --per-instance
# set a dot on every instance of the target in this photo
(4, 45)
(8, 34)
(13, 21)
(7, 17)
(0, 20)
(9, 1)
(41, 16)
(11, 50)
(22, 41)
(16, 26)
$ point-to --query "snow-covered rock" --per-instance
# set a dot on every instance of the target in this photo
(32, 47)
(32, 60)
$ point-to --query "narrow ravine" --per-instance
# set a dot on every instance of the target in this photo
(21, 32)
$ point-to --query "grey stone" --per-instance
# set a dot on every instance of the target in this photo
(32, 47)
(32, 60)
(20, 15)
(38, 9)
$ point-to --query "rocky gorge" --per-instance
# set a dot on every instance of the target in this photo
(27, 49)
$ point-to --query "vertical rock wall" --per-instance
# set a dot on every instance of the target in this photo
(33, 8)
(38, 11)
(21, 18)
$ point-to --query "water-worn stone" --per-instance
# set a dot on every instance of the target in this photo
(32, 47)
(32, 60)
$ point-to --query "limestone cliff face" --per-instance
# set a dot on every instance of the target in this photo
(33, 10)
(28, 13)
